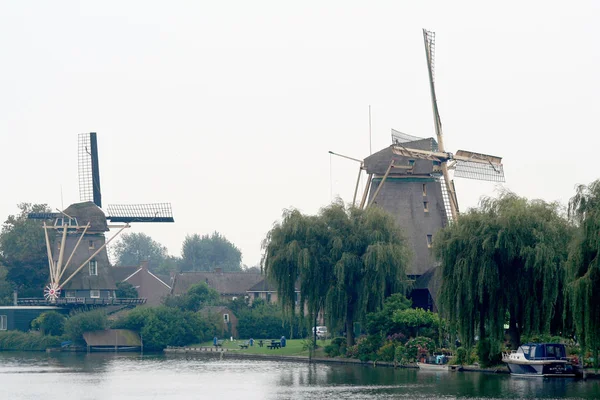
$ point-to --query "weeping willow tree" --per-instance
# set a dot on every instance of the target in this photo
(505, 258)
(346, 261)
(583, 267)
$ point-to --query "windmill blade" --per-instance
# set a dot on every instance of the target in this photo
(479, 166)
(154, 212)
(89, 170)
(429, 39)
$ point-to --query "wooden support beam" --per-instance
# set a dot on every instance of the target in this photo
(357, 183)
(49, 251)
(381, 183)
(92, 256)
(76, 246)
(366, 192)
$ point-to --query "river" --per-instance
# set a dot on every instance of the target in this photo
(129, 376)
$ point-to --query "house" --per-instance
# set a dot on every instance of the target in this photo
(20, 317)
(267, 291)
(230, 285)
(229, 321)
(149, 286)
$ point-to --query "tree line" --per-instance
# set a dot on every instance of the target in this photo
(527, 264)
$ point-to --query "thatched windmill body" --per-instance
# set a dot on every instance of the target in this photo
(411, 179)
(78, 261)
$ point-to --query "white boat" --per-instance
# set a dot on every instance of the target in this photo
(433, 367)
(539, 359)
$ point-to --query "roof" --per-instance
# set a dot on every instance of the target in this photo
(112, 337)
(88, 212)
(226, 283)
(122, 273)
(215, 310)
(266, 286)
(377, 163)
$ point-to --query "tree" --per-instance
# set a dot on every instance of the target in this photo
(583, 267)
(198, 296)
(346, 260)
(23, 251)
(504, 258)
(50, 323)
(418, 322)
(382, 321)
(126, 290)
(5, 287)
(205, 253)
(79, 323)
(133, 248)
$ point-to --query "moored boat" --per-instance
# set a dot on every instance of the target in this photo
(432, 367)
(539, 359)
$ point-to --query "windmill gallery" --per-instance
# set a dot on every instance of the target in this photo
(410, 179)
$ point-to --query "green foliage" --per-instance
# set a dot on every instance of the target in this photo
(205, 253)
(416, 348)
(50, 323)
(80, 322)
(23, 251)
(489, 352)
(264, 320)
(126, 290)
(30, 341)
(387, 352)
(583, 267)
(381, 321)
(5, 287)
(347, 262)
(163, 326)
(417, 322)
(368, 346)
(495, 254)
(133, 248)
(336, 348)
(198, 296)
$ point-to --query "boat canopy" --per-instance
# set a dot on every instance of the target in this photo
(543, 351)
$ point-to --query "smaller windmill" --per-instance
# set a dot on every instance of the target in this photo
(80, 240)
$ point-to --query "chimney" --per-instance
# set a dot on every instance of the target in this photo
(219, 270)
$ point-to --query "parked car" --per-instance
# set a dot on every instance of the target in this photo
(321, 332)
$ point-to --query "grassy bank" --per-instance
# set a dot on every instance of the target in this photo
(27, 341)
(294, 347)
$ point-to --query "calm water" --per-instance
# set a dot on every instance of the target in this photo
(106, 376)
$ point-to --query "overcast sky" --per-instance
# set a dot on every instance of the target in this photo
(228, 109)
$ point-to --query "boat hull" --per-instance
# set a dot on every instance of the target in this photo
(433, 367)
(555, 369)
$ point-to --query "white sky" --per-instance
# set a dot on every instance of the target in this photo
(228, 109)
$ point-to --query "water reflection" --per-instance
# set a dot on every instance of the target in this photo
(131, 376)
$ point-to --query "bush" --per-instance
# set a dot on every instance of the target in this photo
(368, 346)
(81, 322)
(414, 348)
(387, 352)
(164, 326)
(32, 341)
(488, 353)
(336, 348)
(49, 323)
(126, 290)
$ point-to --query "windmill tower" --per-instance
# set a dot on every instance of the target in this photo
(411, 179)
(80, 271)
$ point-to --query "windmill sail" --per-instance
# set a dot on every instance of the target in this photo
(89, 170)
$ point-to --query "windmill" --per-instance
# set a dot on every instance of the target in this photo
(411, 180)
(78, 261)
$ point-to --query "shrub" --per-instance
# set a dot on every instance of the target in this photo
(387, 352)
(79, 323)
(50, 323)
(488, 353)
(368, 346)
(32, 341)
(126, 290)
(336, 348)
(417, 346)
(165, 326)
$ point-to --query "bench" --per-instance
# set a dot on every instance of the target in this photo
(274, 345)
(244, 345)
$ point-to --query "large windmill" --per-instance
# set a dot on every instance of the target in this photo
(411, 179)
(78, 262)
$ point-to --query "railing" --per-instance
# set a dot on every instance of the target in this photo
(78, 301)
